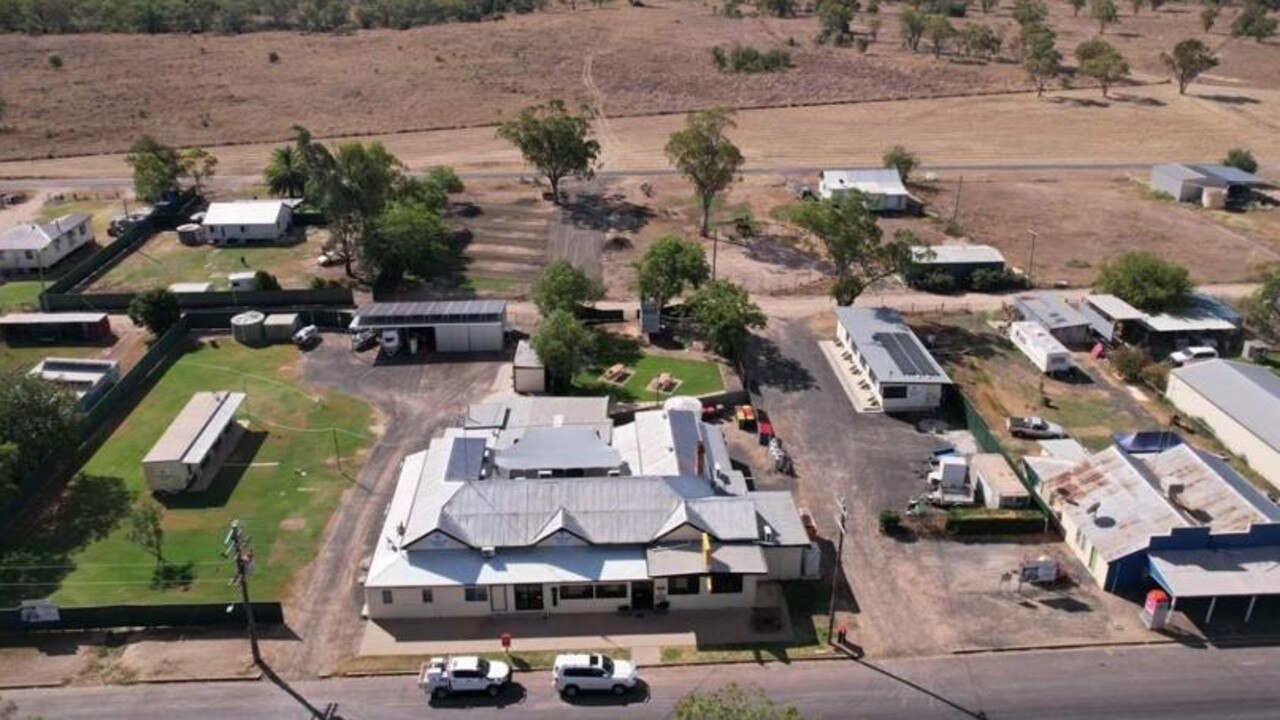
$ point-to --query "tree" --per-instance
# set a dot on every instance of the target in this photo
(911, 26)
(980, 40)
(1101, 61)
(564, 286)
(38, 422)
(562, 343)
(198, 164)
(146, 528)
(286, 174)
(854, 243)
(265, 281)
(732, 702)
(1040, 58)
(724, 315)
(157, 310)
(1261, 310)
(1188, 60)
(1105, 12)
(1030, 12)
(1077, 6)
(669, 267)
(1253, 22)
(901, 159)
(1242, 159)
(706, 156)
(833, 22)
(555, 141)
(939, 31)
(1146, 281)
(409, 237)
(1209, 14)
(444, 177)
(155, 168)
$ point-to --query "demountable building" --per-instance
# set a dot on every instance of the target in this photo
(1042, 349)
(882, 186)
(191, 451)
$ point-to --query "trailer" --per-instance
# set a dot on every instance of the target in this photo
(1042, 349)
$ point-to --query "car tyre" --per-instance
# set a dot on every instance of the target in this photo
(439, 693)
(570, 691)
(493, 690)
(619, 690)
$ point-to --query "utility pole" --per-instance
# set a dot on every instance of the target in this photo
(1031, 262)
(842, 522)
(238, 548)
(955, 211)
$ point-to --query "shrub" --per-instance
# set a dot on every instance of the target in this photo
(1241, 159)
(1156, 375)
(55, 61)
(937, 282)
(746, 59)
(996, 280)
(1129, 362)
(986, 521)
(273, 57)
(446, 179)
(901, 159)
(890, 521)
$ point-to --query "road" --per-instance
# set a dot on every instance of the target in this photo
(1117, 684)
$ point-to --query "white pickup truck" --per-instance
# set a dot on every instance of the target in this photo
(1034, 428)
(443, 676)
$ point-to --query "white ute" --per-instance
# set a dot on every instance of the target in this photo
(592, 673)
(468, 674)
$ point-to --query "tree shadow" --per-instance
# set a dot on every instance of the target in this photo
(1139, 100)
(1231, 99)
(950, 343)
(605, 213)
(37, 554)
(1079, 102)
(225, 482)
(772, 250)
(769, 367)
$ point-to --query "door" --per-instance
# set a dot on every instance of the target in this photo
(529, 597)
(498, 598)
(642, 595)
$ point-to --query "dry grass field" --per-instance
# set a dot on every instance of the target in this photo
(213, 90)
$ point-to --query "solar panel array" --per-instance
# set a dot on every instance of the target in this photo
(422, 313)
(906, 354)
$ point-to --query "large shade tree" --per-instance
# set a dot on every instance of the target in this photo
(1189, 59)
(563, 344)
(555, 141)
(703, 153)
(1146, 281)
(156, 168)
(565, 286)
(669, 267)
(854, 243)
(39, 421)
(723, 315)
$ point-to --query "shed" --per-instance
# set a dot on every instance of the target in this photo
(179, 288)
(88, 378)
(958, 261)
(528, 374)
(1239, 402)
(191, 451)
(882, 186)
(280, 327)
(90, 327)
(243, 280)
(244, 221)
(1056, 315)
(1187, 183)
(999, 484)
(896, 365)
(441, 326)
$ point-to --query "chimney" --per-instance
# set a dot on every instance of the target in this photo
(701, 467)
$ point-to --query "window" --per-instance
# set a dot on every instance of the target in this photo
(427, 596)
(476, 594)
(575, 592)
(684, 585)
(894, 392)
(387, 597)
(1093, 558)
(30, 255)
(726, 584)
(611, 590)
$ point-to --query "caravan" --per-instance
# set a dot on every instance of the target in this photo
(1043, 349)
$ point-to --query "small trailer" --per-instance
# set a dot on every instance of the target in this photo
(1041, 348)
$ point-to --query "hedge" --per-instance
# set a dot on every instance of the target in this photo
(985, 521)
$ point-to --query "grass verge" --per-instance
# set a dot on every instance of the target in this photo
(520, 661)
(18, 295)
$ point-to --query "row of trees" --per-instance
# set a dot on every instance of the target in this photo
(40, 17)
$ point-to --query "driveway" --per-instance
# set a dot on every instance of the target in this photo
(918, 596)
(415, 401)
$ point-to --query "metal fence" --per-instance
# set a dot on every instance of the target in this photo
(119, 302)
(106, 617)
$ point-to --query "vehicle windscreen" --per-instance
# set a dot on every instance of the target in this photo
(607, 664)
(483, 667)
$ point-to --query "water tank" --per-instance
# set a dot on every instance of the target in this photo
(190, 234)
(683, 402)
(248, 328)
(1214, 198)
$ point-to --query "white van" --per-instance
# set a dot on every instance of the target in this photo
(390, 340)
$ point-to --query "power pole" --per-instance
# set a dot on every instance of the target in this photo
(238, 548)
(1031, 262)
(842, 522)
(955, 211)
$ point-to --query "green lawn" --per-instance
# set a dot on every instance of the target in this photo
(18, 295)
(80, 552)
(698, 377)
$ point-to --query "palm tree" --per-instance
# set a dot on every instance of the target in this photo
(286, 175)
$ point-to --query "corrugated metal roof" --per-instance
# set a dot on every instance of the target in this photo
(1208, 490)
(871, 328)
(511, 567)
(1227, 175)
(244, 212)
(1114, 307)
(955, 254)
(412, 314)
(526, 356)
(1218, 573)
(1050, 311)
(199, 423)
(687, 559)
(995, 469)
(1248, 394)
(777, 509)
(77, 318)
(38, 236)
(877, 181)
(568, 447)
(507, 419)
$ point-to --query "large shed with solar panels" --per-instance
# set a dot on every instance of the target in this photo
(894, 363)
(447, 327)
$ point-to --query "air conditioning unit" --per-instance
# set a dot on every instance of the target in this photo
(488, 551)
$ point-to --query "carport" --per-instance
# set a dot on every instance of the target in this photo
(451, 326)
(1217, 573)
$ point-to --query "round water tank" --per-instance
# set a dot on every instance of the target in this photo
(190, 234)
(683, 402)
(1214, 198)
(248, 328)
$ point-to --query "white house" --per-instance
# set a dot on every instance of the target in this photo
(882, 186)
(463, 537)
(246, 221)
(1239, 402)
(900, 371)
(32, 248)
(190, 452)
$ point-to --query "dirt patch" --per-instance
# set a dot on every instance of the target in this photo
(293, 524)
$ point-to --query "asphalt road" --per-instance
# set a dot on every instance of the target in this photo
(1115, 684)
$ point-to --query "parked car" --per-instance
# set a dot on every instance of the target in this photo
(1034, 428)
(1192, 354)
(468, 674)
(363, 340)
(328, 259)
(592, 673)
(306, 336)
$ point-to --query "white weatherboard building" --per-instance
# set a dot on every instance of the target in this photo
(245, 221)
(1239, 402)
(465, 536)
(901, 372)
(191, 451)
(32, 248)
(882, 186)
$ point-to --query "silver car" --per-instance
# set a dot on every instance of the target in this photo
(593, 673)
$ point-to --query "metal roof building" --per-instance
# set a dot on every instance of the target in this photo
(89, 379)
(1187, 183)
(882, 186)
(1240, 402)
(189, 453)
(896, 364)
(443, 326)
(1063, 321)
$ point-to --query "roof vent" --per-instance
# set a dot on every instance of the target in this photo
(488, 551)
(768, 533)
